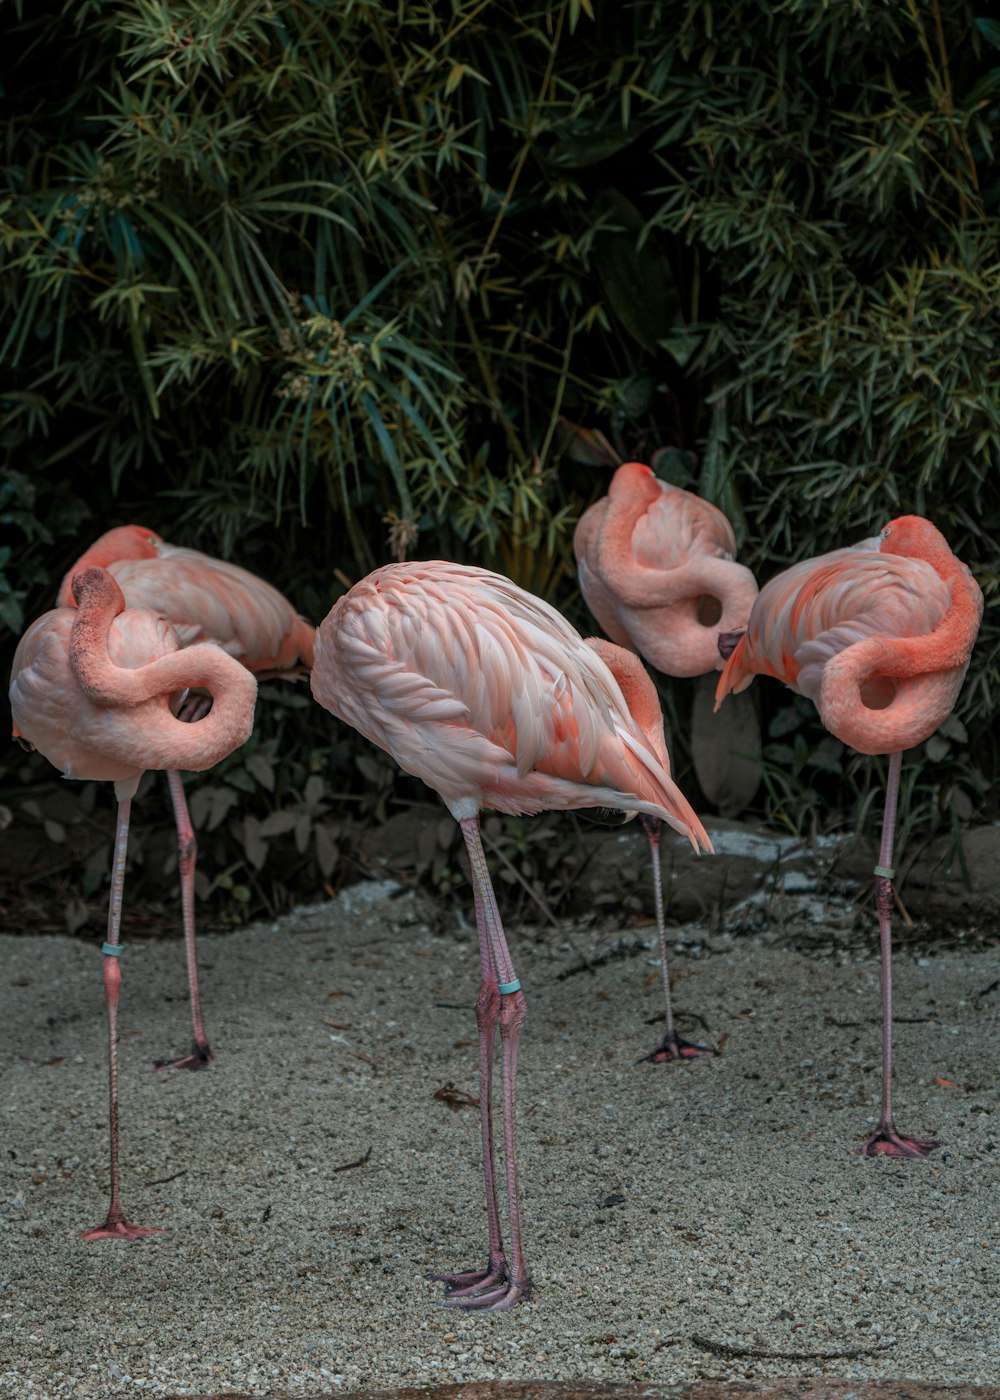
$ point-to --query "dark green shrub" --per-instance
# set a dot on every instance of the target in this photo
(311, 284)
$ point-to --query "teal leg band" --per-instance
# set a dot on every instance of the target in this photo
(886, 871)
(506, 988)
(112, 950)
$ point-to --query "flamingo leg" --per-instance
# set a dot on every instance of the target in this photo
(504, 1281)
(487, 1017)
(187, 852)
(885, 1141)
(671, 1047)
(115, 1226)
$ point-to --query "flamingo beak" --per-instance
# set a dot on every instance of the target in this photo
(727, 642)
(605, 816)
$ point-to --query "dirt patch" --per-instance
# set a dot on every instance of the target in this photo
(689, 1225)
(552, 1390)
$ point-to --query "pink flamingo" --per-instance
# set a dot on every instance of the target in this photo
(491, 697)
(657, 568)
(206, 600)
(96, 689)
(879, 637)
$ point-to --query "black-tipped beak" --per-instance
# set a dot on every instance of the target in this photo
(605, 816)
(727, 643)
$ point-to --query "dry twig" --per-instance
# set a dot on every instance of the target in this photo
(455, 1098)
(764, 1354)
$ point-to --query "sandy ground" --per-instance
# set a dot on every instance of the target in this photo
(683, 1222)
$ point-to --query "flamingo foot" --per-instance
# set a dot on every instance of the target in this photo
(886, 1142)
(500, 1299)
(199, 1058)
(116, 1227)
(671, 1048)
(471, 1279)
(485, 1290)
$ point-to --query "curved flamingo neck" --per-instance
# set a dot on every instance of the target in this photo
(161, 741)
(664, 621)
(919, 703)
(638, 691)
(951, 642)
(633, 491)
(921, 674)
(881, 694)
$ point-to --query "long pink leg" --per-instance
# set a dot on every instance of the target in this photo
(504, 1282)
(187, 852)
(115, 1227)
(671, 1047)
(885, 1141)
(487, 1017)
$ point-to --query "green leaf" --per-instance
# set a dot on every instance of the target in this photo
(989, 29)
(635, 273)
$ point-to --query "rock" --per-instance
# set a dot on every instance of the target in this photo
(726, 747)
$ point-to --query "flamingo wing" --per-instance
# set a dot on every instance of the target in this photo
(485, 693)
(818, 608)
(677, 526)
(211, 600)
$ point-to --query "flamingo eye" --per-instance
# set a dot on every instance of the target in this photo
(886, 533)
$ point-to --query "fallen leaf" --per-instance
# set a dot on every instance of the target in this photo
(455, 1098)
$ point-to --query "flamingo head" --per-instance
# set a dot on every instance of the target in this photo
(913, 536)
(123, 542)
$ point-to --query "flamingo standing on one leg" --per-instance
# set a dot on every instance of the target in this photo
(657, 568)
(492, 698)
(206, 600)
(879, 637)
(96, 689)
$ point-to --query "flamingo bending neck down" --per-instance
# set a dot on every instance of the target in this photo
(206, 600)
(489, 696)
(96, 689)
(879, 636)
(657, 568)
(644, 705)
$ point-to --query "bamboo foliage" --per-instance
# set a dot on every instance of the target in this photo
(317, 283)
(314, 284)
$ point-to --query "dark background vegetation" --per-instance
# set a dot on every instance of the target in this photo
(313, 285)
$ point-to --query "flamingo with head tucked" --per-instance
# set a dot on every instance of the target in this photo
(494, 700)
(657, 568)
(206, 600)
(879, 636)
(96, 689)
